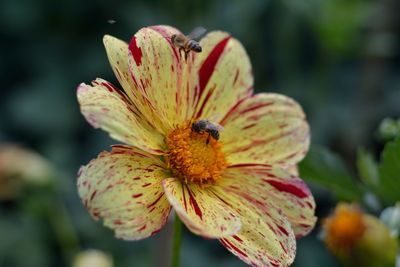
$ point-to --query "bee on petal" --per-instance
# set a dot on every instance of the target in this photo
(187, 43)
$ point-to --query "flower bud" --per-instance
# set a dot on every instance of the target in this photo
(20, 167)
(359, 239)
(92, 258)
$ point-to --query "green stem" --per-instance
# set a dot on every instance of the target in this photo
(63, 228)
(176, 249)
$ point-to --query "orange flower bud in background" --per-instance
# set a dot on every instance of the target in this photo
(359, 239)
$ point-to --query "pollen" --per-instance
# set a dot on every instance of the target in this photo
(195, 156)
(344, 228)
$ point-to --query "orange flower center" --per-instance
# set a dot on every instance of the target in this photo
(344, 228)
(195, 156)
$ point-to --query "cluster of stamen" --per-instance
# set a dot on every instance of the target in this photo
(194, 156)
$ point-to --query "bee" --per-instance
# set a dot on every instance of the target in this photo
(187, 43)
(207, 126)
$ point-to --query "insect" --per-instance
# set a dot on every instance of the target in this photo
(187, 43)
(207, 126)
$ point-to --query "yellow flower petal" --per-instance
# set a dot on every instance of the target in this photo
(106, 107)
(161, 75)
(200, 209)
(224, 75)
(266, 237)
(272, 186)
(123, 187)
(118, 54)
(265, 128)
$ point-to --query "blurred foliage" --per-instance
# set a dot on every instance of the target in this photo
(323, 167)
(338, 58)
(389, 171)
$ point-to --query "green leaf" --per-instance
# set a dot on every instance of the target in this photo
(325, 168)
(389, 172)
(368, 169)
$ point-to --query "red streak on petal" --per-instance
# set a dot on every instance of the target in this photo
(209, 93)
(252, 108)
(155, 232)
(249, 126)
(236, 76)
(240, 165)
(118, 222)
(137, 195)
(283, 247)
(232, 111)
(146, 184)
(195, 205)
(237, 238)
(155, 202)
(167, 35)
(208, 66)
(136, 51)
(142, 228)
(232, 246)
(289, 188)
(93, 195)
(283, 230)
(184, 198)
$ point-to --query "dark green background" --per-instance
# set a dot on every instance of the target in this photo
(338, 58)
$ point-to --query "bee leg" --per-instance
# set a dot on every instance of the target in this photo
(186, 55)
(208, 139)
(180, 54)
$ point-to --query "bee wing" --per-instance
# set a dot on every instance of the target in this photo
(219, 127)
(213, 119)
(197, 32)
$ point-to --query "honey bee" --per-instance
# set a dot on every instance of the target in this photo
(187, 43)
(207, 126)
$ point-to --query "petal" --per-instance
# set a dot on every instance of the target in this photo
(161, 75)
(224, 75)
(269, 186)
(201, 211)
(118, 54)
(265, 128)
(266, 237)
(123, 187)
(106, 107)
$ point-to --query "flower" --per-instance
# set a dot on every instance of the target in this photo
(359, 239)
(93, 258)
(21, 168)
(236, 188)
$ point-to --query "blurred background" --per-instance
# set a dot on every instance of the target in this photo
(338, 58)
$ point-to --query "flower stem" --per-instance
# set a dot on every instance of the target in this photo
(176, 249)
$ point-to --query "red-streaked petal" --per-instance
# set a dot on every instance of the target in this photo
(273, 186)
(224, 75)
(160, 75)
(265, 128)
(200, 210)
(123, 187)
(118, 56)
(106, 107)
(266, 237)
